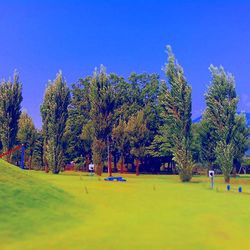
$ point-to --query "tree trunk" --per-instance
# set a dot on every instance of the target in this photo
(237, 166)
(137, 164)
(56, 171)
(46, 168)
(185, 177)
(185, 174)
(110, 164)
(234, 172)
(98, 169)
(209, 167)
(87, 162)
(115, 162)
(122, 164)
(30, 162)
(227, 178)
(8, 157)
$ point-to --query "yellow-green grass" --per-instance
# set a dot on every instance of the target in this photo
(73, 211)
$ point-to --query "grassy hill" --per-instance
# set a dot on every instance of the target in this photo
(28, 205)
(68, 211)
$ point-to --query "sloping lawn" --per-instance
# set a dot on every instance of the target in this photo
(72, 211)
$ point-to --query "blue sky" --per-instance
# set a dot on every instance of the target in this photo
(38, 38)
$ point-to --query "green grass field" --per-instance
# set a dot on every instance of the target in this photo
(69, 211)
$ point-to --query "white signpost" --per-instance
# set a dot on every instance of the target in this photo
(91, 168)
(211, 176)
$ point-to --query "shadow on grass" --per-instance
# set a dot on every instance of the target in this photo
(196, 181)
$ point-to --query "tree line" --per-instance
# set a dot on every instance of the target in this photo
(110, 121)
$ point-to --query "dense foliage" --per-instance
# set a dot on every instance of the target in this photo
(177, 114)
(136, 124)
(54, 112)
(10, 111)
(224, 133)
(27, 136)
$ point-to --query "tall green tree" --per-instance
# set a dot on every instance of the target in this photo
(161, 144)
(10, 111)
(54, 112)
(139, 92)
(177, 113)
(78, 117)
(240, 140)
(101, 114)
(230, 131)
(119, 138)
(27, 135)
(87, 137)
(138, 137)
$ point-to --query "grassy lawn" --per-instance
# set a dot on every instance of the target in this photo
(69, 211)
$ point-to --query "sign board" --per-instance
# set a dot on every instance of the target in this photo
(211, 176)
(211, 173)
(91, 167)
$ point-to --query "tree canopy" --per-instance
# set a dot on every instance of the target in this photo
(128, 124)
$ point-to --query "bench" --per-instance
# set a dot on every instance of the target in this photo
(113, 178)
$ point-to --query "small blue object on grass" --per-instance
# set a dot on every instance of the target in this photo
(228, 187)
(113, 178)
(240, 189)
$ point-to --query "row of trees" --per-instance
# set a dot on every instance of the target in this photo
(138, 119)
(223, 134)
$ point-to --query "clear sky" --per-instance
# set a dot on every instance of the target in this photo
(38, 38)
